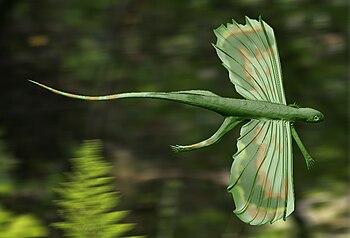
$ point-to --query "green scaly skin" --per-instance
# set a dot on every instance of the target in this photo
(242, 108)
(234, 110)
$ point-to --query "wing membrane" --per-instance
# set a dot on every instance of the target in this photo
(261, 174)
(249, 52)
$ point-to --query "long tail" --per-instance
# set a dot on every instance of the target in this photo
(199, 98)
(90, 98)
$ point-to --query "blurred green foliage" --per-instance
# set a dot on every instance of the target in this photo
(100, 47)
(13, 225)
(22, 226)
(7, 163)
(87, 201)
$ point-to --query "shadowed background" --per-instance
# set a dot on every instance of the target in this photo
(103, 47)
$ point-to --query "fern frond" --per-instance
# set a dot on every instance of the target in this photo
(88, 200)
(21, 226)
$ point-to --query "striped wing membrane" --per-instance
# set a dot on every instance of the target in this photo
(261, 180)
(249, 52)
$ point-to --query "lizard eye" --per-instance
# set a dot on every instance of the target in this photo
(316, 118)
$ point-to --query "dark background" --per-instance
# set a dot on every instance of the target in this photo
(102, 47)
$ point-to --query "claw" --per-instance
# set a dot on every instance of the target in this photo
(310, 162)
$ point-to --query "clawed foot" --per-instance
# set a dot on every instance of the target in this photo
(310, 162)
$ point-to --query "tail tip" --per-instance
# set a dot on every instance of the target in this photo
(32, 81)
(177, 148)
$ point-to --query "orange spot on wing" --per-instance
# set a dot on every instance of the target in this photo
(261, 214)
(238, 31)
(251, 210)
(259, 55)
(271, 213)
(261, 155)
(268, 189)
(268, 72)
(257, 132)
(246, 65)
(273, 139)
